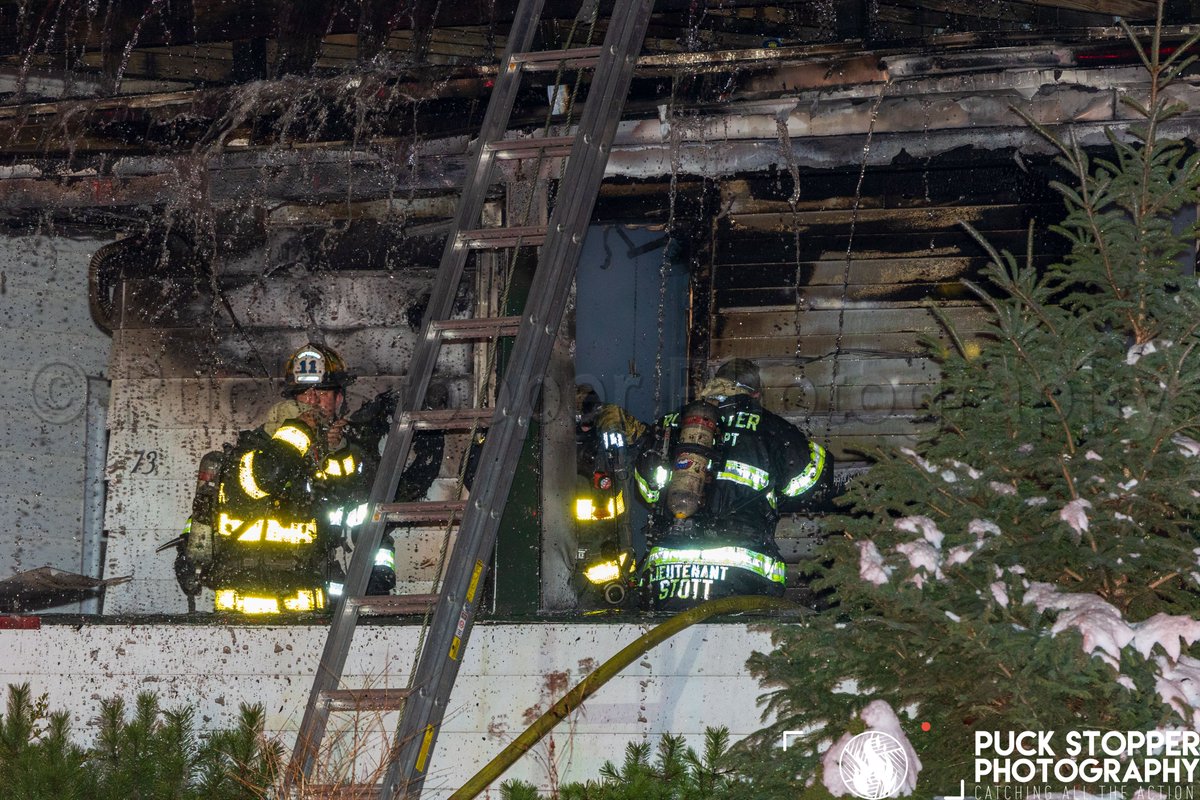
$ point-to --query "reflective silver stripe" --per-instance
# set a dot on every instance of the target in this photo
(648, 492)
(770, 568)
(355, 518)
(745, 474)
(385, 558)
(811, 474)
(611, 440)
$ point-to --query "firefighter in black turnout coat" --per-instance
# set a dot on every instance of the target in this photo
(718, 474)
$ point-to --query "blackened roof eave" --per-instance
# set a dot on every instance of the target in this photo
(825, 94)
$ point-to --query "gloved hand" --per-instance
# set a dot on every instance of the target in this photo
(610, 418)
(613, 419)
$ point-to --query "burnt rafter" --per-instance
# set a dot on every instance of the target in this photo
(293, 112)
(372, 106)
(1117, 8)
(56, 26)
(378, 133)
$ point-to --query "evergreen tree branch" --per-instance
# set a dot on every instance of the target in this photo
(1031, 363)
(1137, 45)
(949, 328)
(1147, 158)
(1012, 286)
(946, 619)
(1164, 579)
(1086, 199)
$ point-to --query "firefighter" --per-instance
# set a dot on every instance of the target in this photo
(270, 511)
(600, 474)
(718, 474)
(605, 562)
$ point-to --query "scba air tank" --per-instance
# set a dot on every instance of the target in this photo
(693, 451)
(204, 508)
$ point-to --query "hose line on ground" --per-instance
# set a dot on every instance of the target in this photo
(609, 669)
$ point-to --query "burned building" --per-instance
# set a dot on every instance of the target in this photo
(190, 191)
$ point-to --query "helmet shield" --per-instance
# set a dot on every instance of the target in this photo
(315, 367)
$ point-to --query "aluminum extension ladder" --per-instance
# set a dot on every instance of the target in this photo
(455, 607)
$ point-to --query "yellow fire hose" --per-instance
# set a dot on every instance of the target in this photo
(609, 669)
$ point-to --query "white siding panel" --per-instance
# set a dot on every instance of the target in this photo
(137, 501)
(50, 349)
(170, 454)
(694, 680)
(189, 402)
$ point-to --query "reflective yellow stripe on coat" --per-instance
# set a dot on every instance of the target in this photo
(770, 568)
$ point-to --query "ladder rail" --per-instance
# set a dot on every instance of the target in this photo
(470, 204)
(387, 478)
(459, 601)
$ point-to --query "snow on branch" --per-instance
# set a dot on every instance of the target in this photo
(983, 527)
(1098, 621)
(947, 474)
(922, 525)
(921, 462)
(871, 567)
(1074, 514)
(922, 556)
(1136, 352)
(1105, 633)
(1178, 684)
(925, 553)
(1167, 632)
(1188, 447)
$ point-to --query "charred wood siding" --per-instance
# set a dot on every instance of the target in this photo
(835, 298)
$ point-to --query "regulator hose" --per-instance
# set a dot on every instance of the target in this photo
(606, 671)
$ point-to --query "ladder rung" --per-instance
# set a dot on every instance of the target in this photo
(476, 328)
(367, 699)
(395, 605)
(453, 419)
(495, 238)
(425, 511)
(355, 791)
(550, 146)
(543, 60)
